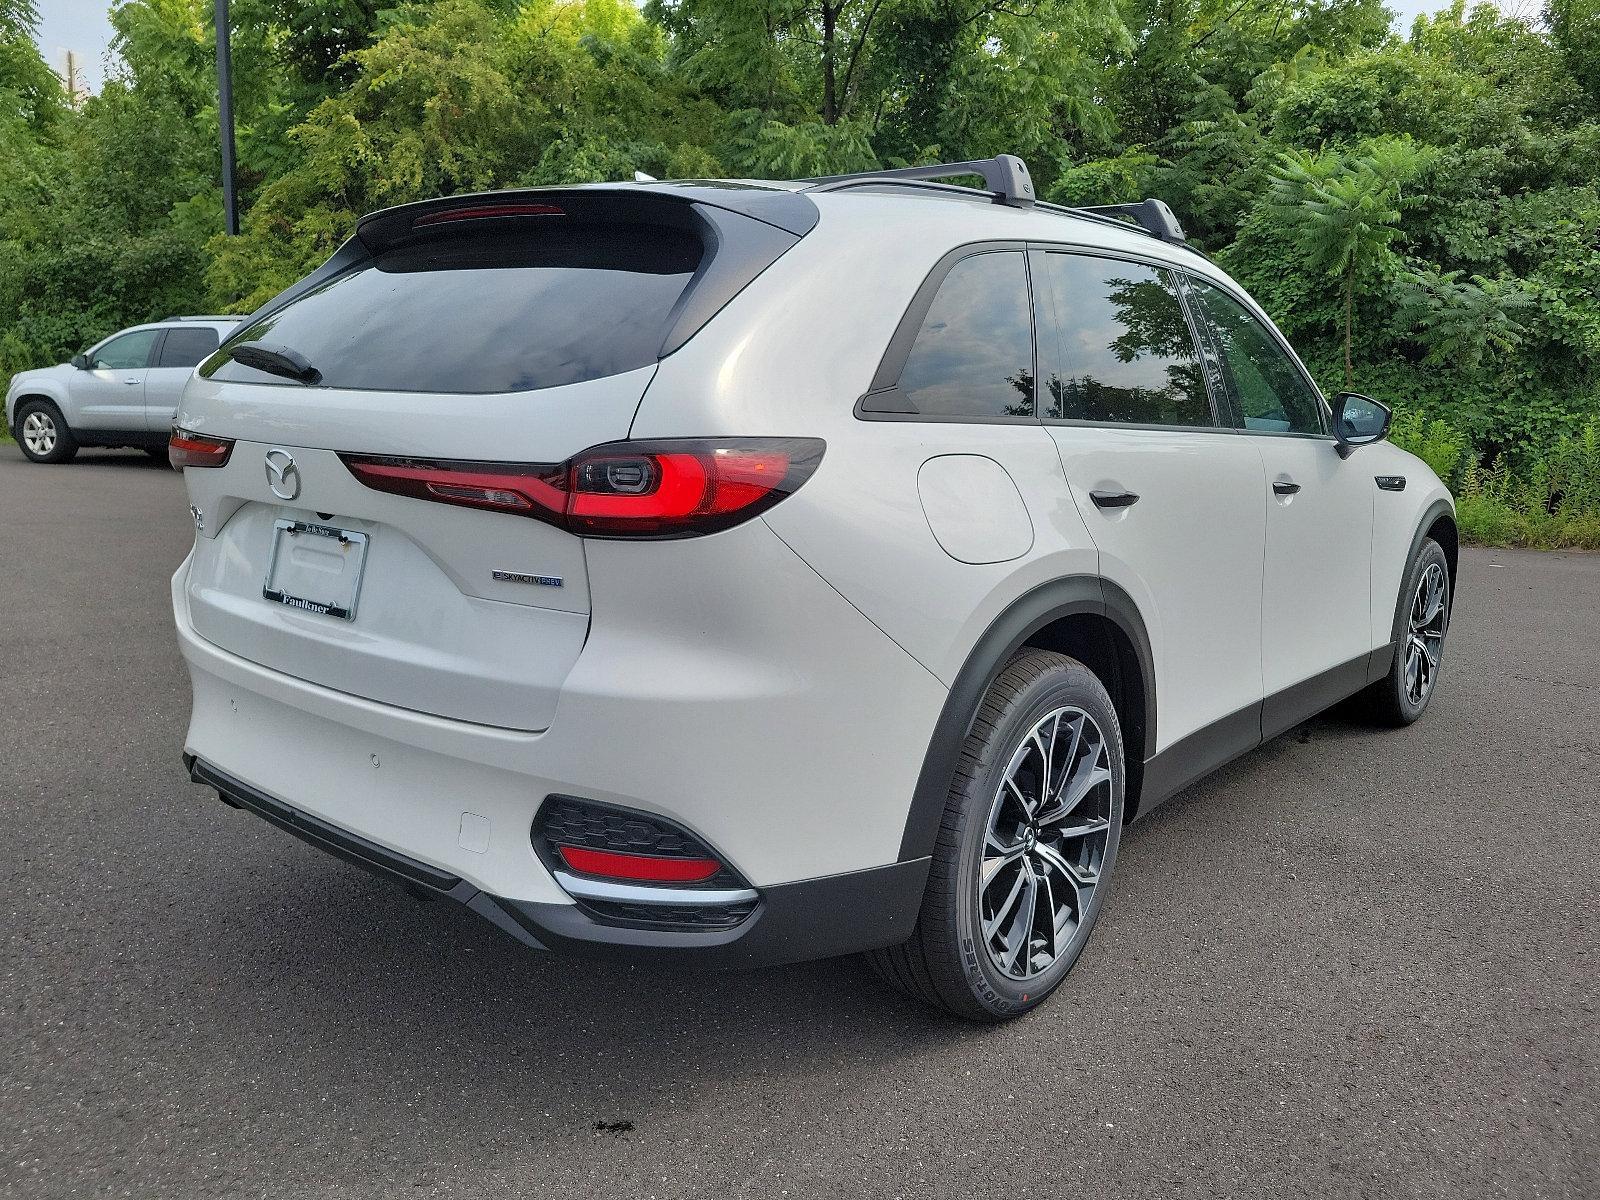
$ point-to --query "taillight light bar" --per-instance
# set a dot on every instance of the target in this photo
(648, 489)
(188, 449)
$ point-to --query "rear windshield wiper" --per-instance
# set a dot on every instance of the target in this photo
(275, 360)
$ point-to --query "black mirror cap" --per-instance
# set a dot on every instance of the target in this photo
(81, 361)
(1366, 422)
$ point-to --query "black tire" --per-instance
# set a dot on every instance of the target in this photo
(948, 962)
(156, 452)
(62, 447)
(1393, 700)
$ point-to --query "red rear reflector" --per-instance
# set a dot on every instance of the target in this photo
(640, 867)
(479, 211)
(185, 449)
(661, 489)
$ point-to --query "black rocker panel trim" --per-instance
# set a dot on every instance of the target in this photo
(1194, 757)
(1078, 594)
(116, 438)
(1286, 709)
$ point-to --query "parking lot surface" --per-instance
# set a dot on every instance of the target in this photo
(1353, 963)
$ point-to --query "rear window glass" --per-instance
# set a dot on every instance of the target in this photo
(481, 312)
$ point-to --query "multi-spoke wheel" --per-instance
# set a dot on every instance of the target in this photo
(1047, 834)
(1028, 841)
(1425, 640)
(42, 434)
(1423, 620)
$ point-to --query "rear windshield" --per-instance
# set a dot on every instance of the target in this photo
(486, 312)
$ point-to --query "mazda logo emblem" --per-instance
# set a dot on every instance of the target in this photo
(283, 477)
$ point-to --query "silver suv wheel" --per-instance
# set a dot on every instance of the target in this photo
(1428, 618)
(1046, 839)
(39, 432)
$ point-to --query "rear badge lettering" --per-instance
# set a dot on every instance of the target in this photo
(521, 577)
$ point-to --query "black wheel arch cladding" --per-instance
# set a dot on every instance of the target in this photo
(1077, 595)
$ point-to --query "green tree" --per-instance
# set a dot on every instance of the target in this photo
(1344, 212)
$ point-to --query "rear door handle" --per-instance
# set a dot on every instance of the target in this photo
(1283, 487)
(1114, 499)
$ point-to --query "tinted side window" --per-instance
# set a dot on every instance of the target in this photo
(1124, 351)
(187, 347)
(126, 353)
(1269, 389)
(973, 356)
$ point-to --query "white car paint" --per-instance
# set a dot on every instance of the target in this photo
(773, 687)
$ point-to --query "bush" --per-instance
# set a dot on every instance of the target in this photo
(1552, 503)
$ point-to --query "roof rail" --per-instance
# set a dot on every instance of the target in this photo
(1153, 216)
(1005, 175)
(210, 317)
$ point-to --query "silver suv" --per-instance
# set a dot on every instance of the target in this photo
(122, 391)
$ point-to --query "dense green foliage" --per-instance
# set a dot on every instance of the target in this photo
(1421, 213)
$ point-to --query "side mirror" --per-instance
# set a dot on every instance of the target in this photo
(1358, 421)
(81, 361)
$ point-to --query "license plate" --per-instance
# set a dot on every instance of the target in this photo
(316, 568)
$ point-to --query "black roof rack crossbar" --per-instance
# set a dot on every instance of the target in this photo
(1153, 216)
(1005, 175)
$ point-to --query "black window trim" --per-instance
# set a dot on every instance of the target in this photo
(1214, 398)
(156, 348)
(1235, 409)
(884, 391)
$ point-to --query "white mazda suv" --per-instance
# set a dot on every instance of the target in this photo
(740, 573)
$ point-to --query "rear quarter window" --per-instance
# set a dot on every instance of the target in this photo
(481, 312)
(187, 347)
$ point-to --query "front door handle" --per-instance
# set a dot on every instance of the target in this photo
(132, 382)
(1284, 487)
(1114, 499)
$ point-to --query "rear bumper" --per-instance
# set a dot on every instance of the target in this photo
(793, 922)
(764, 716)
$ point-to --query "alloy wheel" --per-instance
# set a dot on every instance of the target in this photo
(39, 432)
(1045, 842)
(1425, 640)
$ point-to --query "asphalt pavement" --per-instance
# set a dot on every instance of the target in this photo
(1353, 963)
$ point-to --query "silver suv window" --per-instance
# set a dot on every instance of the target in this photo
(129, 352)
(1272, 394)
(1123, 351)
(973, 355)
(187, 347)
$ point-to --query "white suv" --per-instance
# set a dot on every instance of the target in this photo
(743, 573)
(122, 391)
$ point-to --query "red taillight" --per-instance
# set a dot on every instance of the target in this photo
(478, 212)
(646, 868)
(185, 449)
(622, 489)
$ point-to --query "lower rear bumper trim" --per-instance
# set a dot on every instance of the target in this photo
(794, 922)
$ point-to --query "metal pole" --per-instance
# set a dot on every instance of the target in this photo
(230, 197)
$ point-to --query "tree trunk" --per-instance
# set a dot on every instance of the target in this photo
(1349, 317)
(830, 94)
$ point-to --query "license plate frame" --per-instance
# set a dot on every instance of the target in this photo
(286, 579)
